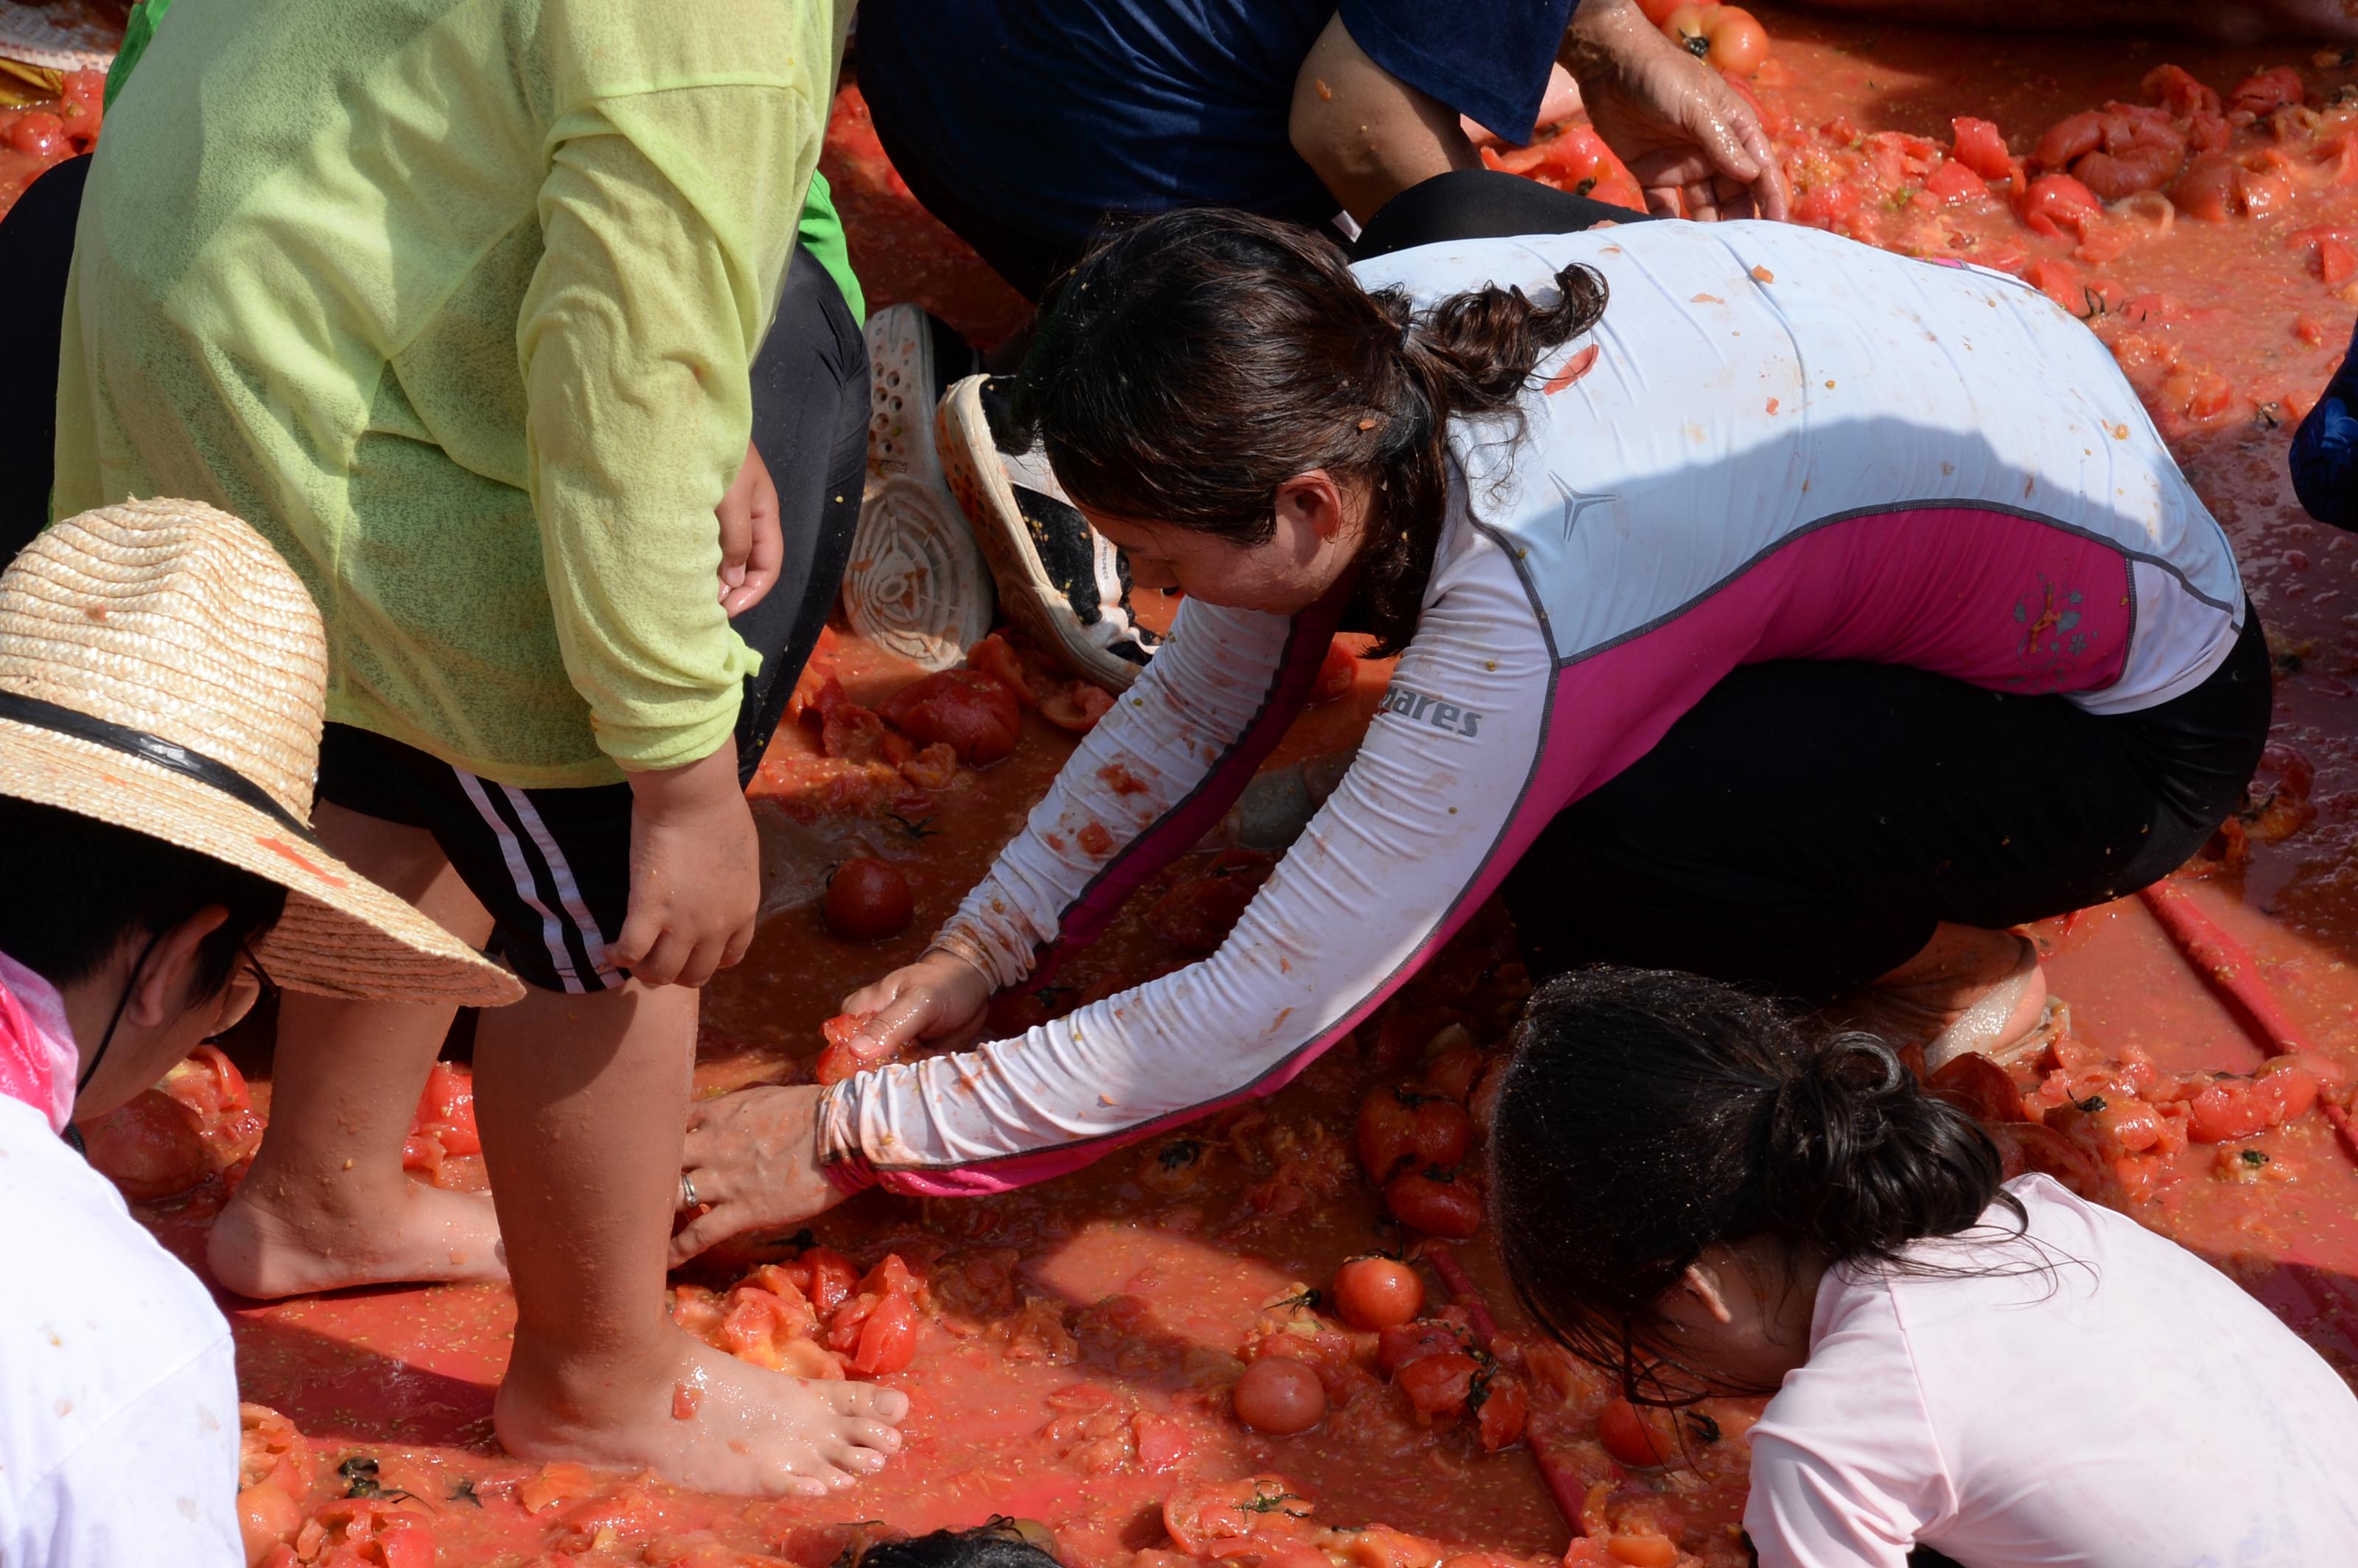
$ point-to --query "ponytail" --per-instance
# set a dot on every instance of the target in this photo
(1648, 1114)
(1195, 361)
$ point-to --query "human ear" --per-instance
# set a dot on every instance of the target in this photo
(1704, 1286)
(160, 991)
(1313, 501)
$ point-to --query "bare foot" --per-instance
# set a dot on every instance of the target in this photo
(1969, 990)
(704, 1420)
(265, 1245)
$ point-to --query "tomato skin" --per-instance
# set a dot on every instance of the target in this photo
(1979, 1087)
(1199, 1518)
(1438, 1385)
(1640, 1439)
(1979, 145)
(1337, 673)
(997, 658)
(1076, 709)
(2055, 202)
(266, 1519)
(1643, 1551)
(1439, 1205)
(2268, 90)
(151, 1146)
(1280, 1396)
(1407, 1342)
(1378, 1293)
(973, 714)
(888, 1339)
(1403, 1126)
(1503, 1412)
(2025, 1146)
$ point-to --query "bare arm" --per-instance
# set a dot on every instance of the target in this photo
(1369, 134)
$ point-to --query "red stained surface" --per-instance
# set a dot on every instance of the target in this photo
(1076, 1340)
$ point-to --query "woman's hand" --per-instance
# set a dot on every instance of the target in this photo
(1694, 142)
(695, 873)
(752, 1158)
(940, 999)
(751, 546)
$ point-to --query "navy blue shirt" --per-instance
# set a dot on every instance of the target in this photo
(1049, 114)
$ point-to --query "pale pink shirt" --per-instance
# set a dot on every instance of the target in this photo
(2107, 1399)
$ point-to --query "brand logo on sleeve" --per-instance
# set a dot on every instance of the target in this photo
(1424, 707)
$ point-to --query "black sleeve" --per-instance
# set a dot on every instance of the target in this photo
(1488, 60)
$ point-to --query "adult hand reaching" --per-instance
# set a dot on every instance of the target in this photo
(1696, 147)
(752, 1162)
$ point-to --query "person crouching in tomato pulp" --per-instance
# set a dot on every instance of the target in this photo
(1702, 1198)
(160, 695)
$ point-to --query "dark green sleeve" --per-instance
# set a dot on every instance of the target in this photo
(137, 32)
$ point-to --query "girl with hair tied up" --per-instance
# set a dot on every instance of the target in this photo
(1768, 606)
(1693, 1192)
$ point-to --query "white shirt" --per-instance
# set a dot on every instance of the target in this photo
(118, 1382)
(2130, 1407)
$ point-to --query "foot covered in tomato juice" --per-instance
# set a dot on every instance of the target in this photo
(275, 1239)
(702, 1419)
(1969, 990)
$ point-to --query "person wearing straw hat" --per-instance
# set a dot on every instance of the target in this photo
(162, 676)
(464, 306)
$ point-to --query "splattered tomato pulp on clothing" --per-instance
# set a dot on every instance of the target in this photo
(1071, 1350)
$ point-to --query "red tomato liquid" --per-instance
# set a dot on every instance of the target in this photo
(1078, 1339)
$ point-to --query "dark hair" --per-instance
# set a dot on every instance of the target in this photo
(1195, 362)
(1648, 1113)
(78, 889)
(997, 1544)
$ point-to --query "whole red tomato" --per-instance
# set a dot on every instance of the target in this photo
(1640, 1438)
(1725, 37)
(1436, 1202)
(869, 900)
(1378, 1293)
(1280, 1396)
(1405, 1127)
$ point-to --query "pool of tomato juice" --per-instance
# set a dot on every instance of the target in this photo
(1070, 1320)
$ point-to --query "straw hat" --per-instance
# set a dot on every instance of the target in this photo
(162, 669)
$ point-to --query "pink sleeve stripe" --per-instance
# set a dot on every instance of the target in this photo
(1183, 827)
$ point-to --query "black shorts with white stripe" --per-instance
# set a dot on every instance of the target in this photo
(552, 865)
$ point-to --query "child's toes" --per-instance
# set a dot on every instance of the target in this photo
(872, 1435)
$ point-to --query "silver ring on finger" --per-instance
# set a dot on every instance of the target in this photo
(686, 1192)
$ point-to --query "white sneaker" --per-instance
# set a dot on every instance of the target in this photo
(1057, 580)
(916, 584)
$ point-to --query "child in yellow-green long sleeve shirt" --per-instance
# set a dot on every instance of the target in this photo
(479, 312)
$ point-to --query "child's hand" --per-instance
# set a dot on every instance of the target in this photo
(696, 880)
(940, 997)
(751, 547)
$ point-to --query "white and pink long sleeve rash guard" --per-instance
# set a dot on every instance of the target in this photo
(1776, 444)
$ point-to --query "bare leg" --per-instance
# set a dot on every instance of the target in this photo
(583, 1104)
(1968, 990)
(326, 1203)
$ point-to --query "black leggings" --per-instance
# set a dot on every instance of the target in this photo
(810, 424)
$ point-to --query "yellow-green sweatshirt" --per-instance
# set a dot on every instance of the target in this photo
(455, 301)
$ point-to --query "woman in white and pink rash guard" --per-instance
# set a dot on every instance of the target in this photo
(1768, 606)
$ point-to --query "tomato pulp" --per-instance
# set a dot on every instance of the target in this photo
(1073, 1349)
